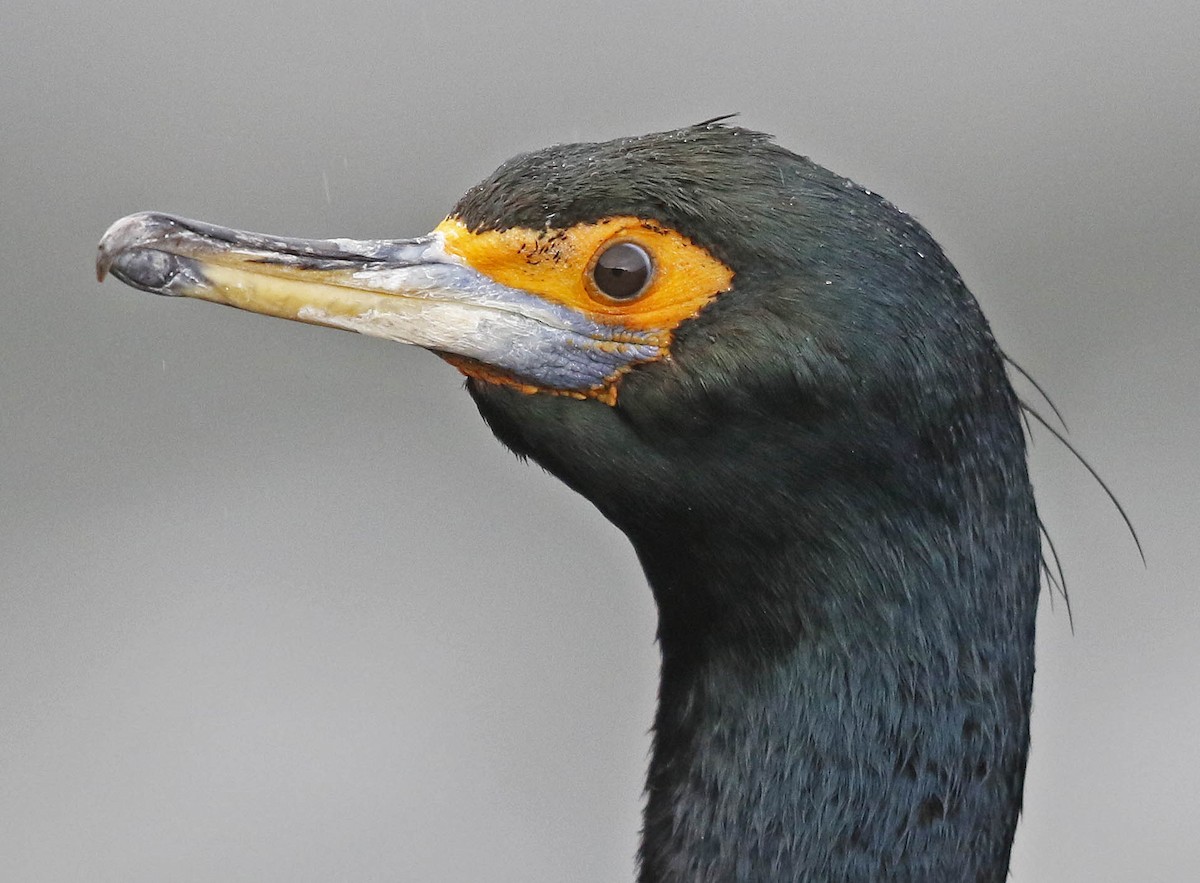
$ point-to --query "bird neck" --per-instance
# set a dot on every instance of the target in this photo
(846, 601)
(869, 721)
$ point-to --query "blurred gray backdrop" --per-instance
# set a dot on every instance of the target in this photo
(273, 604)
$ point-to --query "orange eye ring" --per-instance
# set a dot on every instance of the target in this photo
(557, 264)
(620, 272)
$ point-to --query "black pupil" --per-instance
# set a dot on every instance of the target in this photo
(622, 271)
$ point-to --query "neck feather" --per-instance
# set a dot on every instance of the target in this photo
(866, 719)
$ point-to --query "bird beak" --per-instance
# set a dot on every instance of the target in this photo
(407, 290)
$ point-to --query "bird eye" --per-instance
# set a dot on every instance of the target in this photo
(622, 271)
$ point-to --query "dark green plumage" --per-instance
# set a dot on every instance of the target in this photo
(822, 471)
(826, 486)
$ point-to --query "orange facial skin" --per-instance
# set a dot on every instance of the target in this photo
(556, 264)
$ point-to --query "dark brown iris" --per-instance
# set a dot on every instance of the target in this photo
(622, 271)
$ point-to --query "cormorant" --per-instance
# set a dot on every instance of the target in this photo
(780, 389)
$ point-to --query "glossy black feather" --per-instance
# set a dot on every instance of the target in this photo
(826, 486)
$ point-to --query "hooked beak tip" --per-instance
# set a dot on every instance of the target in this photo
(123, 235)
(104, 259)
(131, 251)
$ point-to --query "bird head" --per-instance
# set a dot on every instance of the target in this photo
(681, 326)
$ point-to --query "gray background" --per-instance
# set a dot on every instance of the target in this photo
(274, 605)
